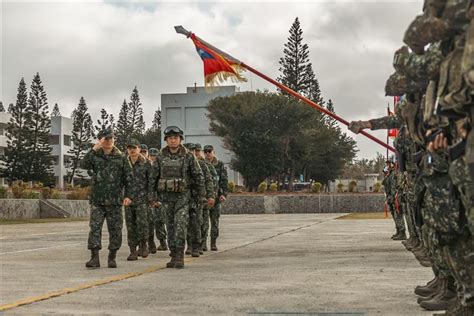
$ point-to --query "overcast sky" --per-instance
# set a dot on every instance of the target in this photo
(101, 50)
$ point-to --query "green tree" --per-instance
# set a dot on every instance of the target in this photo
(82, 133)
(2, 108)
(135, 111)
(122, 129)
(156, 124)
(152, 136)
(105, 121)
(16, 158)
(38, 123)
(55, 111)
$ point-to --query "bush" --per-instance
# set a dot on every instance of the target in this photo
(29, 194)
(79, 194)
(18, 188)
(46, 193)
(38, 185)
(55, 194)
(3, 192)
(262, 187)
(316, 187)
(353, 186)
(340, 187)
(231, 186)
(377, 187)
(273, 187)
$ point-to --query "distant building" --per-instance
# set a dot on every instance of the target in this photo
(365, 185)
(189, 112)
(60, 140)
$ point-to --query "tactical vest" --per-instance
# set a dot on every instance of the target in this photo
(172, 178)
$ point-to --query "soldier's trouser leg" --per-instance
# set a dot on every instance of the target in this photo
(151, 221)
(96, 221)
(198, 235)
(215, 214)
(192, 226)
(408, 216)
(114, 217)
(205, 224)
(160, 220)
(131, 223)
(177, 220)
(143, 222)
(436, 252)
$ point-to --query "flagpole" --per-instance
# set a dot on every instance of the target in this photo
(182, 30)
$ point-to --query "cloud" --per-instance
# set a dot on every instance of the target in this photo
(101, 50)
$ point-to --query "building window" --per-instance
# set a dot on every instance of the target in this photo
(54, 139)
(67, 140)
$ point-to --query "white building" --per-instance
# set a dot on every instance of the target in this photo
(60, 140)
(189, 112)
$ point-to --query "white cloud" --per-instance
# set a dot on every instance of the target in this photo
(101, 50)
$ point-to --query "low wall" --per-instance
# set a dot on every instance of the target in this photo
(235, 204)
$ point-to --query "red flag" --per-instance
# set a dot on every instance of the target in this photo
(216, 67)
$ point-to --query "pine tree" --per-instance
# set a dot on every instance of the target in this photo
(55, 111)
(38, 123)
(2, 108)
(16, 158)
(313, 92)
(106, 121)
(10, 108)
(135, 110)
(123, 126)
(295, 63)
(82, 133)
(330, 121)
(156, 124)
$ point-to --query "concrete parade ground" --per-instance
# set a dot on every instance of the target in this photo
(311, 264)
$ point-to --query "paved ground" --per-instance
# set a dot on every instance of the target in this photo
(265, 264)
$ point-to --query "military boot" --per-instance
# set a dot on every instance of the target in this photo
(428, 289)
(188, 249)
(94, 262)
(201, 252)
(400, 236)
(143, 249)
(152, 245)
(213, 244)
(172, 262)
(204, 245)
(179, 263)
(111, 260)
(163, 246)
(133, 254)
(443, 300)
(195, 252)
(396, 234)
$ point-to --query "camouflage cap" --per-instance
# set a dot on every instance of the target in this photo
(197, 146)
(107, 133)
(208, 148)
(143, 147)
(133, 143)
(153, 152)
(189, 146)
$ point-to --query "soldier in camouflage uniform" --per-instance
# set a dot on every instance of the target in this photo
(159, 215)
(176, 173)
(222, 189)
(151, 212)
(136, 214)
(197, 204)
(110, 173)
(389, 182)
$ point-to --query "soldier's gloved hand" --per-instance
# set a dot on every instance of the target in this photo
(211, 202)
(127, 202)
(357, 126)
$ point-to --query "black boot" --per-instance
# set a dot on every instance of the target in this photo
(152, 245)
(195, 251)
(213, 244)
(133, 254)
(172, 261)
(179, 263)
(443, 300)
(143, 249)
(204, 245)
(400, 236)
(428, 289)
(111, 261)
(94, 262)
(163, 246)
(396, 234)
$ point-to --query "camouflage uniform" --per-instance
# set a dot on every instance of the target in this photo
(110, 174)
(175, 175)
(206, 208)
(389, 183)
(198, 202)
(222, 189)
(140, 192)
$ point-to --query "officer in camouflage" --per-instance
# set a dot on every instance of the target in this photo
(140, 191)
(176, 173)
(389, 182)
(159, 216)
(110, 173)
(222, 189)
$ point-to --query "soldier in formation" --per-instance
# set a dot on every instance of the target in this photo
(434, 74)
